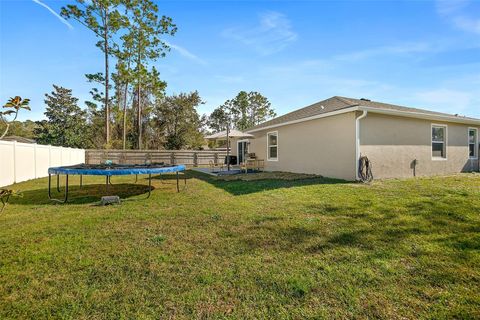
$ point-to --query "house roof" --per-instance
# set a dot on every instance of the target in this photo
(18, 139)
(338, 104)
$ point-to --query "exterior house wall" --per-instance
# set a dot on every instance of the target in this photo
(392, 143)
(324, 146)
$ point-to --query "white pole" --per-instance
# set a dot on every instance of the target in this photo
(35, 160)
(228, 147)
(357, 142)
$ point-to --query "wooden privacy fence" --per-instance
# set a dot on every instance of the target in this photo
(187, 157)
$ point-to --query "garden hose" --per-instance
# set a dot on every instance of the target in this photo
(365, 169)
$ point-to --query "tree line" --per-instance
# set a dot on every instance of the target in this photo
(171, 122)
(129, 107)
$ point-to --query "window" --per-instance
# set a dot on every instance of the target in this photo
(439, 142)
(472, 143)
(272, 141)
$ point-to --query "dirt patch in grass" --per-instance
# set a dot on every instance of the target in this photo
(275, 175)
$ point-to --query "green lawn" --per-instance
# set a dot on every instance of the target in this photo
(279, 249)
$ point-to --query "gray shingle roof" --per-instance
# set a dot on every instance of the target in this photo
(337, 103)
(18, 139)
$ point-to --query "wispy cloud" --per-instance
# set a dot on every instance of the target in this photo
(65, 22)
(468, 24)
(230, 79)
(273, 33)
(445, 7)
(427, 53)
(185, 53)
(446, 99)
(463, 14)
(317, 79)
(398, 49)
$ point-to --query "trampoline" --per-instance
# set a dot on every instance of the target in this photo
(109, 170)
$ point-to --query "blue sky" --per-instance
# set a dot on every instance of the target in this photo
(415, 53)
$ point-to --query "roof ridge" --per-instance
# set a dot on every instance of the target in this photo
(345, 100)
(305, 112)
(303, 108)
(406, 108)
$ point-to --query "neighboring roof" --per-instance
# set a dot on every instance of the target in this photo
(18, 139)
(337, 104)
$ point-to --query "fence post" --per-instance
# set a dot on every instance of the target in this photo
(148, 157)
(195, 159)
(172, 157)
(35, 160)
(14, 161)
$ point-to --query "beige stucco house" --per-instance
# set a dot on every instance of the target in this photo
(328, 137)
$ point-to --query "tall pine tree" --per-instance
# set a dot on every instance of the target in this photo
(104, 18)
(242, 112)
(142, 45)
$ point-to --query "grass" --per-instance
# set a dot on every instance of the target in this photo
(279, 249)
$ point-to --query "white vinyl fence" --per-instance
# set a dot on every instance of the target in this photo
(25, 161)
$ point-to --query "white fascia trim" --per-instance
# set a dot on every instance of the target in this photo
(318, 116)
(421, 115)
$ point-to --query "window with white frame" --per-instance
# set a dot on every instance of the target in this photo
(439, 141)
(272, 141)
(472, 143)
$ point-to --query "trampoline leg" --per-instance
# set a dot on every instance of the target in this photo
(66, 189)
(178, 188)
(136, 178)
(185, 178)
(149, 185)
(58, 182)
(81, 181)
(50, 187)
(110, 180)
(106, 184)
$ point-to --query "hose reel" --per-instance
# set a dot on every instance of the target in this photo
(365, 169)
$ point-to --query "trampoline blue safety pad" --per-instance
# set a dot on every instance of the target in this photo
(115, 170)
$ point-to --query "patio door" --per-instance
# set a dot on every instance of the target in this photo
(242, 149)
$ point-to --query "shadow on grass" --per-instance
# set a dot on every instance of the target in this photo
(87, 194)
(371, 232)
(242, 187)
(172, 176)
(273, 236)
